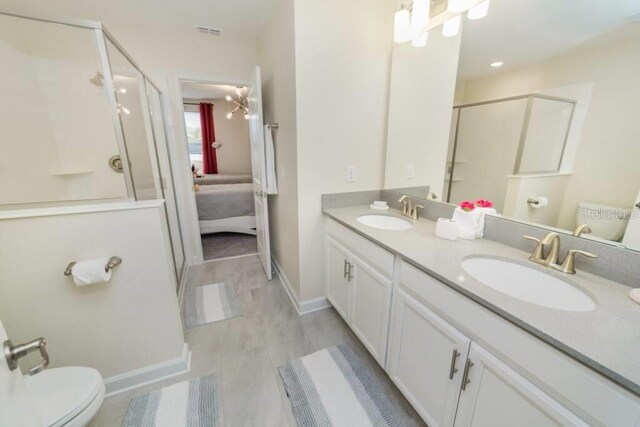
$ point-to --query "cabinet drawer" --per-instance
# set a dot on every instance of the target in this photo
(582, 390)
(381, 259)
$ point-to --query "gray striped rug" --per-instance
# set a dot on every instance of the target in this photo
(211, 303)
(189, 403)
(333, 387)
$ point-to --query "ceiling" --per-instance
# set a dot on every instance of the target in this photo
(197, 90)
(524, 32)
(239, 19)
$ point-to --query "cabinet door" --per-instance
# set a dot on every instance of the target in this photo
(494, 396)
(337, 281)
(371, 295)
(426, 356)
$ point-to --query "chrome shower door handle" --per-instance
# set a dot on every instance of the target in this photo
(13, 353)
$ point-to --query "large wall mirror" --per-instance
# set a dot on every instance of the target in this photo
(543, 117)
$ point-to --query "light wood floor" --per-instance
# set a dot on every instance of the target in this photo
(244, 353)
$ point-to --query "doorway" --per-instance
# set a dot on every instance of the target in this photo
(216, 118)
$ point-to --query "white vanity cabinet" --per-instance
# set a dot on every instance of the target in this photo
(494, 395)
(426, 359)
(360, 292)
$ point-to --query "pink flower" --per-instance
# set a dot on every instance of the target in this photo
(467, 206)
(481, 203)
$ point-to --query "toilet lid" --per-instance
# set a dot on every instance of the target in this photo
(62, 393)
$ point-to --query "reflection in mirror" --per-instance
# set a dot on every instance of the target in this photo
(544, 122)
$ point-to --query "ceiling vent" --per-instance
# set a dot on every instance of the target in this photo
(208, 30)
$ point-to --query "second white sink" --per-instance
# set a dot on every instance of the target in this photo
(527, 284)
(384, 222)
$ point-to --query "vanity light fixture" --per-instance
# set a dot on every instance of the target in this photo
(479, 11)
(402, 25)
(451, 27)
(497, 64)
(420, 20)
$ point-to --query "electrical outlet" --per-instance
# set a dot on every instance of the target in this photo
(351, 174)
(410, 171)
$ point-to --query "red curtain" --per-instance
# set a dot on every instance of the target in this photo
(209, 160)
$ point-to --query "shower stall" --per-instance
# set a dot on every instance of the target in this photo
(81, 124)
(493, 140)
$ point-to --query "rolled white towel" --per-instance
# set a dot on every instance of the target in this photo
(635, 295)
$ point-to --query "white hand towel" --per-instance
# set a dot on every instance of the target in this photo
(270, 160)
(483, 212)
(468, 223)
(91, 272)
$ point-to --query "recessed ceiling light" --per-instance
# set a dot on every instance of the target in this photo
(497, 64)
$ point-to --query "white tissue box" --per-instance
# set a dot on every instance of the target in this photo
(447, 229)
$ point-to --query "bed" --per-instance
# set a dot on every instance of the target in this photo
(226, 208)
(223, 179)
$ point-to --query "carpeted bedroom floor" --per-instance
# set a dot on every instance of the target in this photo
(225, 245)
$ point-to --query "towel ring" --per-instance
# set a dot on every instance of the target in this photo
(113, 262)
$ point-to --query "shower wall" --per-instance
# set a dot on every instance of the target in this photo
(56, 128)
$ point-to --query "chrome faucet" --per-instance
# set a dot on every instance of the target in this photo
(551, 260)
(409, 210)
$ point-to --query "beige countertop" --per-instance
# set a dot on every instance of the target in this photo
(606, 339)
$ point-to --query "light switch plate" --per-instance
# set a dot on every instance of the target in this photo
(351, 174)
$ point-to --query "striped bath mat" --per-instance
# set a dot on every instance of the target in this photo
(211, 303)
(189, 403)
(332, 387)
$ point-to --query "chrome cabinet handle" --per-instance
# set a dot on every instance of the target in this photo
(452, 368)
(465, 375)
(349, 275)
(14, 353)
(346, 267)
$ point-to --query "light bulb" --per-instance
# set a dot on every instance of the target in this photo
(457, 6)
(421, 40)
(479, 11)
(451, 27)
(401, 26)
(246, 116)
(230, 115)
(419, 16)
(228, 98)
(122, 90)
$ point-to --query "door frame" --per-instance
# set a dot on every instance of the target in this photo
(191, 226)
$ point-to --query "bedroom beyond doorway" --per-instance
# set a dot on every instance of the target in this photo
(217, 134)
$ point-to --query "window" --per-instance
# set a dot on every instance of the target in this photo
(194, 137)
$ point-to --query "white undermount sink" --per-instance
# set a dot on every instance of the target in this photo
(384, 222)
(527, 284)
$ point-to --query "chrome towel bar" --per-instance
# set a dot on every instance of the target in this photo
(113, 262)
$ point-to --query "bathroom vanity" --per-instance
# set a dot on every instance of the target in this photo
(466, 354)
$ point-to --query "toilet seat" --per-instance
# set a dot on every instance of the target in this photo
(66, 396)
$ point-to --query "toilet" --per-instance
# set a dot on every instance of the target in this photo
(69, 396)
(606, 222)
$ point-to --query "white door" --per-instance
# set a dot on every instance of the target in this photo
(258, 166)
(16, 407)
(631, 237)
(426, 358)
(497, 396)
(371, 296)
(338, 278)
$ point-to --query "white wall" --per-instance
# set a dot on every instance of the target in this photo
(276, 55)
(342, 51)
(127, 324)
(605, 169)
(522, 187)
(235, 154)
(420, 101)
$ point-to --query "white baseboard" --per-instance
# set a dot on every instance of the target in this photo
(302, 307)
(149, 374)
